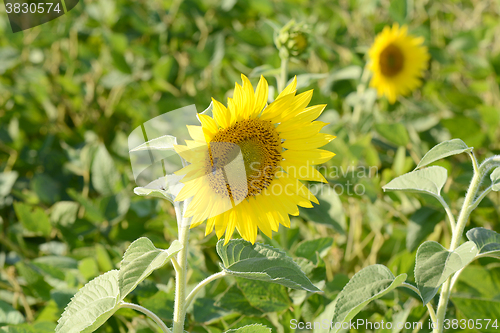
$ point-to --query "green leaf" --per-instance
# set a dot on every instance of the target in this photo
(64, 213)
(105, 176)
(495, 179)
(140, 260)
(395, 133)
(262, 262)
(166, 142)
(33, 220)
(370, 283)
(314, 249)
(256, 328)
(487, 242)
(164, 187)
(435, 264)
(92, 305)
(9, 315)
(234, 300)
(442, 150)
(429, 180)
(264, 296)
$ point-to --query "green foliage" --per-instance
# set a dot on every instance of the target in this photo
(262, 262)
(435, 264)
(365, 286)
(73, 89)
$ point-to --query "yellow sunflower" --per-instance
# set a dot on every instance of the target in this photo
(245, 163)
(397, 61)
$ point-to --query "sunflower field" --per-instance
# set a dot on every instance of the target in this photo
(249, 166)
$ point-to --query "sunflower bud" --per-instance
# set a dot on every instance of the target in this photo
(293, 39)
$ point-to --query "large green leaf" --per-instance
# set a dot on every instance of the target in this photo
(370, 283)
(262, 262)
(92, 305)
(429, 180)
(256, 328)
(140, 260)
(442, 150)
(487, 241)
(435, 264)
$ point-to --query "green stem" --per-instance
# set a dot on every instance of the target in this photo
(467, 207)
(283, 74)
(448, 212)
(200, 285)
(181, 271)
(148, 313)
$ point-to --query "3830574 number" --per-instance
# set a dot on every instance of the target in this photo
(470, 324)
(24, 8)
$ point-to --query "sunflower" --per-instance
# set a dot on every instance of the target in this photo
(397, 61)
(246, 161)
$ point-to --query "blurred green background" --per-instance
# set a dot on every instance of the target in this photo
(72, 90)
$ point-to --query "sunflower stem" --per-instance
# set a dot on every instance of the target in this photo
(181, 269)
(468, 206)
(283, 74)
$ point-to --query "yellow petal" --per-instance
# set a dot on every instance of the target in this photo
(261, 95)
(222, 115)
(291, 88)
(308, 157)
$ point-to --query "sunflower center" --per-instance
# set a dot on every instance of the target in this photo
(253, 144)
(391, 60)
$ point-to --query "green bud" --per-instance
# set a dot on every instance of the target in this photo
(292, 39)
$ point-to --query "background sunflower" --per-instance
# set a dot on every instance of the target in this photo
(397, 61)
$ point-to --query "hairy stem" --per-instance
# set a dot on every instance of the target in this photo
(467, 207)
(181, 270)
(148, 313)
(200, 286)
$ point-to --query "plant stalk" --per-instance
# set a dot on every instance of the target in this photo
(148, 313)
(467, 207)
(181, 271)
(283, 74)
(200, 286)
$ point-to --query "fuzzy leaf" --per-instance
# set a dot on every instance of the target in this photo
(92, 305)
(435, 264)
(140, 260)
(487, 241)
(429, 180)
(442, 150)
(366, 285)
(262, 262)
